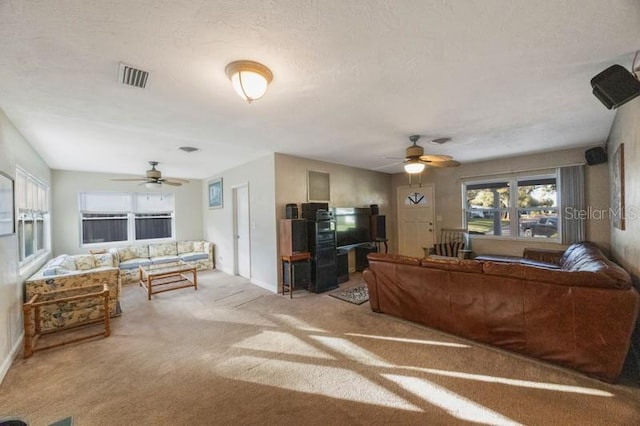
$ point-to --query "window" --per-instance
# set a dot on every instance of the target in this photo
(514, 207)
(32, 216)
(111, 217)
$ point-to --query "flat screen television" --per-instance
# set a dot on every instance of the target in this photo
(353, 225)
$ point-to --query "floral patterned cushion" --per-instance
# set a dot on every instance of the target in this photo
(133, 252)
(69, 263)
(103, 259)
(185, 247)
(198, 246)
(162, 249)
(84, 262)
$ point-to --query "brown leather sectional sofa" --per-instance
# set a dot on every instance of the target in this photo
(574, 308)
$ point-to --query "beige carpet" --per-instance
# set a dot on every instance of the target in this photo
(232, 353)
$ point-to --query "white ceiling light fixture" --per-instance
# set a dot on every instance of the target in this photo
(153, 185)
(250, 79)
(414, 166)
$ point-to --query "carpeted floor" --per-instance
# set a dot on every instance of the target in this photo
(232, 353)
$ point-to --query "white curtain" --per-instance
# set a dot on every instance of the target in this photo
(573, 204)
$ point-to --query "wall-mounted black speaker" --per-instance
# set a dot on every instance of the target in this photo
(615, 86)
(595, 156)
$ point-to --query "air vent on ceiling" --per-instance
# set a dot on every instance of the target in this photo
(132, 76)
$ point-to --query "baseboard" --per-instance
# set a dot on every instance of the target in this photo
(266, 286)
(6, 364)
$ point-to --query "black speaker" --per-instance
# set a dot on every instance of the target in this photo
(301, 274)
(374, 209)
(293, 236)
(291, 211)
(615, 86)
(595, 156)
(378, 228)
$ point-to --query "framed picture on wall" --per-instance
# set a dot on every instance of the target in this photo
(215, 194)
(7, 205)
(617, 188)
(318, 186)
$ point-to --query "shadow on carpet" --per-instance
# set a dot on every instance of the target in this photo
(356, 295)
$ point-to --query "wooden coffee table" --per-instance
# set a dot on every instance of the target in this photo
(167, 277)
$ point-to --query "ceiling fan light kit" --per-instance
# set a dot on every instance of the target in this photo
(153, 178)
(250, 79)
(414, 166)
(416, 161)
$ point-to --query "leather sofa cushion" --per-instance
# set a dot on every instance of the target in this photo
(394, 258)
(452, 264)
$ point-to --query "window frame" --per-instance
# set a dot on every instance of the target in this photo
(130, 215)
(513, 181)
(31, 205)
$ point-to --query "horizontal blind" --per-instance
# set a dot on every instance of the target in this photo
(153, 203)
(105, 202)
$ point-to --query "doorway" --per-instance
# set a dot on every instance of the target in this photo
(241, 231)
(416, 225)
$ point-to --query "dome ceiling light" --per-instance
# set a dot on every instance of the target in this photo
(250, 79)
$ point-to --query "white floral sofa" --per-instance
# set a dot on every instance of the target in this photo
(72, 271)
(129, 258)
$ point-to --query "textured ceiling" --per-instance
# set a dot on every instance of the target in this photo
(352, 79)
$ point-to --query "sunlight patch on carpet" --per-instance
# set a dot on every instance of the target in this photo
(454, 404)
(297, 323)
(331, 382)
(279, 342)
(404, 340)
(352, 351)
(512, 382)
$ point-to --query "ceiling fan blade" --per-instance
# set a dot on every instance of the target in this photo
(447, 163)
(177, 180)
(429, 158)
(171, 183)
(126, 180)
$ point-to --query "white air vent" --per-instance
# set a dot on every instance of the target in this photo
(132, 76)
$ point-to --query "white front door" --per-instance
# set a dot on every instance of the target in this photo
(242, 231)
(416, 227)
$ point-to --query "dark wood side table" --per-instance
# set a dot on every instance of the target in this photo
(290, 260)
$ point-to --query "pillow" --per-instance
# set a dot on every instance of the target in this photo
(84, 262)
(69, 263)
(198, 246)
(185, 247)
(105, 259)
(448, 249)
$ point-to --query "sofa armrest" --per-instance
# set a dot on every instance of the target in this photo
(208, 247)
(543, 255)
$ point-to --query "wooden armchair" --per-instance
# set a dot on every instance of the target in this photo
(452, 243)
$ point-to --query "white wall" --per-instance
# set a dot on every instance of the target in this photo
(66, 222)
(218, 223)
(448, 196)
(626, 129)
(14, 150)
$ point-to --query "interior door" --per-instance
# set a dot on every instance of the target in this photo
(242, 231)
(416, 226)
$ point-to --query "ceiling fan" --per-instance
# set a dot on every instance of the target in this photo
(416, 160)
(153, 178)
